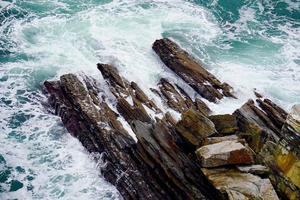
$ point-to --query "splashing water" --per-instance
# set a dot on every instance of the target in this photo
(249, 44)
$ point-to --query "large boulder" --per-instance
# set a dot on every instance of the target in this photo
(224, 153)
(194, 127)
(241, 186)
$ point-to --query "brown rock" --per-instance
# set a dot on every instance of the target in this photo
(213, 140)
(239, 185)
(259, 170)
(173, 98)
(191, 71)
(202, 107)
(265, 130)
(224, 153)
(124, 90)
(285, 166)
(194, 127)
(154, 168)
(291, 129)
(225, 124)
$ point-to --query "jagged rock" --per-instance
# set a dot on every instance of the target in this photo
(225, 124)
(129, 92)
(240, 185)
(153, 168)
(265, 130)
(160, 144)
(202, 107)
(173, 98)
(177, 99)
(277, 115)
(285, 165)
(257, 94)
(194, 127)
(162, 163)
(191, 71)
(255, 125)
(224, 153)
(291, 129)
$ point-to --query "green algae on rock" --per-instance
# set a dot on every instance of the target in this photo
(194, 127)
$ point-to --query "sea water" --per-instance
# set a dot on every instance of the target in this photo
(251, 44)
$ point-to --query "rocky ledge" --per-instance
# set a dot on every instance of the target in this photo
(147, 153)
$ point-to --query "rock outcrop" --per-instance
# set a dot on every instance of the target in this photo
(191, 71)
(153, 168)
(241, 186)
(265, 128)
(148, 154)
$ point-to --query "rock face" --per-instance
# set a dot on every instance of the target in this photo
(265, 127)
(194, 127)
(147, 154)
(225, 124)
(153, 168)
(224, 153)
(191, 71)
(241, 185)
(177, 99)
(291, 128)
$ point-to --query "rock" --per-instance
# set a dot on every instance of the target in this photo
(255, 125)
(177, 99)
(276, 116)
(160, 144)
(213, 140)
(153, 168)
(194, 127)
(148, 155)
(265, 129)
(225, 124)
(291, 129)
(239, 185)
(224, 153)
(259, 170)
(191, 71)
(285, 165)
(202, 107)
(125, 91)
(173, 98)
(257, 94)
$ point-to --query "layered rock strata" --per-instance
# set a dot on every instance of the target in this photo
(147, 154)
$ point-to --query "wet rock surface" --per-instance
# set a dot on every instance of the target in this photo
(148, 153)
(191, 71)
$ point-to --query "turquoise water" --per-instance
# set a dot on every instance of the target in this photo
(249, 44)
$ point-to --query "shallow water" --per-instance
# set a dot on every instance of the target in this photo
(249, 44)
